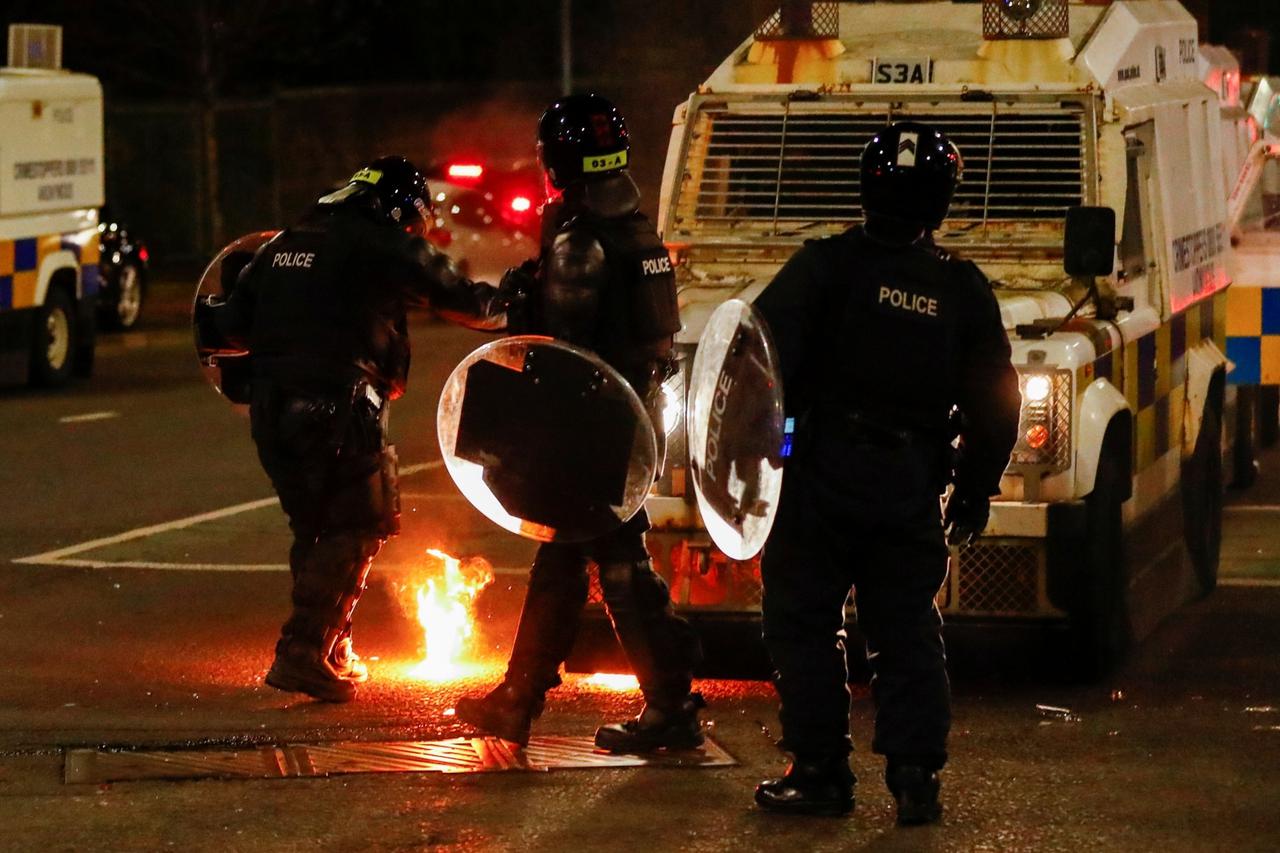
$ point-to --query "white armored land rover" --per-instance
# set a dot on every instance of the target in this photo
(1110, 512)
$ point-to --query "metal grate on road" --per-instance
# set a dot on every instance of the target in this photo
(303, 761)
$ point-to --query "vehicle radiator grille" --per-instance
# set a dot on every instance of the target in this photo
(784, 167)
(996, 579)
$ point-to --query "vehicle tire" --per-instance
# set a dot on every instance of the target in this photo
(1202, 501)
(1099, 621)
(130, 291)
(53, 343)
(1244, 461)
(1268, 415)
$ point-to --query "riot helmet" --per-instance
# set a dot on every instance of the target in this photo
(909, 173)
(398, 188)
(582, 138)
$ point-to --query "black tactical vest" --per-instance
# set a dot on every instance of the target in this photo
(638, 304)
(891, 356)
(324, 311)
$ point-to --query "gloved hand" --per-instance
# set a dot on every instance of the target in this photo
(514, 292)
(519, 281)
(965, 516)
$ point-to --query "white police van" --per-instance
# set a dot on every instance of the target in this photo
(51, 186)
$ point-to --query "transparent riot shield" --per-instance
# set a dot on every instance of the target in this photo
(736, 429)
(226, 368)
(546, 440)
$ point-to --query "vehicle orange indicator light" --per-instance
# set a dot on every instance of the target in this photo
(465, 170)
(521, 204)
(1037, 436)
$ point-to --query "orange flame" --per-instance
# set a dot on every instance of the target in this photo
(446, 611)
(612, 681)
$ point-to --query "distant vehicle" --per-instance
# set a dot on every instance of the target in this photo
(487, 215)
(124, 270)
(51, 187)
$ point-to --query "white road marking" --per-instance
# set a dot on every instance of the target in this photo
(1251, 583)
(71, 562)
(53, 557)
(61, 556)
(87, 417)
(214, 567)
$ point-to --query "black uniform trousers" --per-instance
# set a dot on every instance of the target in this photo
(661, 647)
(324, 448)
(865, 516)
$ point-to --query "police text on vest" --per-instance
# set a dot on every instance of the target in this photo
(915, 303)
(656, 266)
(293, 259)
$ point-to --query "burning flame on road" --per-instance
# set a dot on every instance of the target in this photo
(445, 608)
(620, 682)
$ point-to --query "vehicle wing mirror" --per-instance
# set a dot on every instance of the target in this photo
(1089, 248)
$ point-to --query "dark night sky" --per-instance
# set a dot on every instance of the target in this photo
(148, 48)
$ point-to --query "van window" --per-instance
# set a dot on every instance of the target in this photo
(1133, 245)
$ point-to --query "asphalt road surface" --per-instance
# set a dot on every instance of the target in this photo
(142, 584)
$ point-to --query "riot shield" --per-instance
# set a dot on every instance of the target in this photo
(736, 429)
(226, 368)
(546, 440)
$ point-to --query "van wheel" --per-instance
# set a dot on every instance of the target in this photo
(1202, 501)
(1099, 621)
(129, 296)
(52, 345)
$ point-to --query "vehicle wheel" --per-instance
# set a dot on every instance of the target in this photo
(1244, 462)
(1100, 626)
(1268, 415)
(52, 344)
(1202, 501)
(129, 295)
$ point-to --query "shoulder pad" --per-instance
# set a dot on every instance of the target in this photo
(577, 252)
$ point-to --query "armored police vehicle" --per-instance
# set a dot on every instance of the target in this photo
(1110, 511)
(51, 186)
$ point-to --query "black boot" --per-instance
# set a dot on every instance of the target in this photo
(302, 667)
(326, 589)
(915, 789)
(660, 726)
(507, 711)
(811, 786)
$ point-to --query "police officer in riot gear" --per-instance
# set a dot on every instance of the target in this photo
(603, 281)
(321, 310)
(881, 335)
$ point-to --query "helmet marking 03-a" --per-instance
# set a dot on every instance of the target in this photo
(909, 173)
(582, 137)
(398, 185)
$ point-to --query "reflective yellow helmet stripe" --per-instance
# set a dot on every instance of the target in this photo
(604, 162)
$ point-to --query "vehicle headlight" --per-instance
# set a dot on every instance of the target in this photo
(1044, 429)
(672, 403)
(1036, 388)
